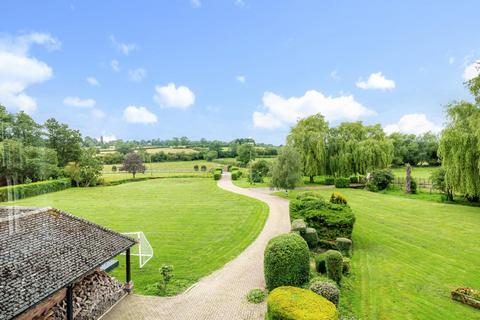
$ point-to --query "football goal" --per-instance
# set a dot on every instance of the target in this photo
(143, 250)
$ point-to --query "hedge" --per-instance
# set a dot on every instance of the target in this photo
(217, 175)
(329, 219)
(290, 303)
(286, 261)
(342, 182)
(334, 265)
(22, 191)
(328, 181)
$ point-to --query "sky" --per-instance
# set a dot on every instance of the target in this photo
(235, 68)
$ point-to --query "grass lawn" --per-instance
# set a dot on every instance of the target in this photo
(409, 254)
(417, 172)
(191, 223)
(162, 169)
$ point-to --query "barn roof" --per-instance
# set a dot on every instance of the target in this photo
(43, 250)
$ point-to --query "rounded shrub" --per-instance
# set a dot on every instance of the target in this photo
(290, 303)
(195, 167)
(320, 263)
(311, 237)
(344, 245)
(347, 266)
(326, 289)
(334, 265)
(235, 175)
(217, 176)
(342, 182)
(338, 198)
(286, 261)
(203, 168)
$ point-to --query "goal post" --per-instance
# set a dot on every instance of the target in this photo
(142, 249)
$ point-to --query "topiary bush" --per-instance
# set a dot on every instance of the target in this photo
(342, 182)
(195, 167)
(320, 263)
(235, 175)
(217, 176)
(311, 237)
(299, 225)
(329, 219)
(334, 265)
(347, 266)
(290, 303)
(327, 289)
(344, 245)
(286, 261)
(203, 168)
(338, 198)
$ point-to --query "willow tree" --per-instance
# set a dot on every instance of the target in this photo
(309, 139)
(459, 148)
(354, 148)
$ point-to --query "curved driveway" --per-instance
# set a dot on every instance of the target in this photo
(220, 295)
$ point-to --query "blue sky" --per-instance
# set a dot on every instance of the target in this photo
(230, 68)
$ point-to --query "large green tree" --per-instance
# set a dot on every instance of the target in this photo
(309, 138)
(287, 169)
(460, 146)
(65, 141)
(246, 153)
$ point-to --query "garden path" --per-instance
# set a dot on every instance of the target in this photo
(220, 295)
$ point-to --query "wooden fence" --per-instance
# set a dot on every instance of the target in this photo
(421, 183)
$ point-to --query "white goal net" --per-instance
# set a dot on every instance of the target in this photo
(143, 250)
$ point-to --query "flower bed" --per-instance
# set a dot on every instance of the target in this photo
(467, 296)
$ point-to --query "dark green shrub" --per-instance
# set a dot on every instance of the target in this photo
(338, 198)
(328, 180)
(203, 168)
(114, 168)
(342, 182)
(290, 303)
(334, 265)
(327, 289)
(379, 180)
(330, 220)
(344, 245)
(195, 167)
(311, 237)
(299, 225)
(235, 175)
(286, 261)
(354, 179)
(217, 176)
(413, 186)
(346, 266)
(320, 263)
(259, 170)
(308, 194)
(256, 296)
(233, 168)
(22, 191)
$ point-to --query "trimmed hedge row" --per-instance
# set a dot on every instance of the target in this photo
(290, 303)
(342, 182)
(22, 191)
(286, 261)
(217, 174)
(329, 219)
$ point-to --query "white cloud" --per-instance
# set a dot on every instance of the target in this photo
(137, 75)
(115, 65)
(451, 60)
(92, 81)
(19, 70)
(134, 114)
(241, 79)
(334, 75)
(414, 123)
(196, 3)
(170, 96)
(280, 111)
(472, 70)
(77, 102)
(125, 48)
(376, 81)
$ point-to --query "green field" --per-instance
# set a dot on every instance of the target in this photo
(190, 223)
(417, 172)
(408, 256)
(162, 169)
